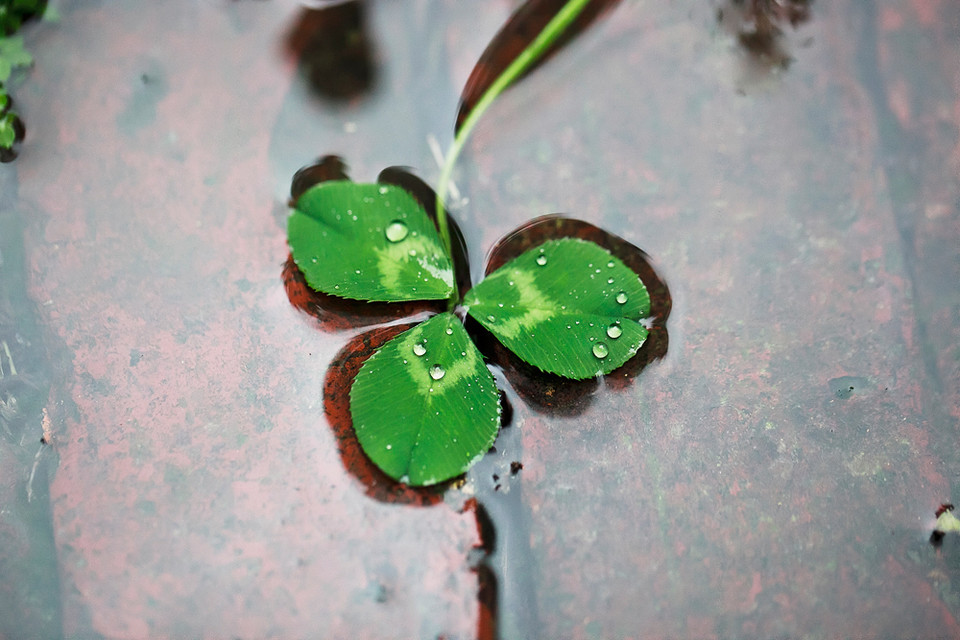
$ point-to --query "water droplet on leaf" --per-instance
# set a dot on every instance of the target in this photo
(622, 297)
(419, 349)
(600, 350)
(396, 231)
(541, 260)
(437, 372)
(614, 331)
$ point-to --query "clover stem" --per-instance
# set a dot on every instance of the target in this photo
(520, 64)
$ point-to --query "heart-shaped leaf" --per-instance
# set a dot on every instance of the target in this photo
(424, 406)
(368, 242)
(568, 307)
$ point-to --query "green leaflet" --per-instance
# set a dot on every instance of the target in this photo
(12, 55)
(424, 406)
(568, 307)
(368, 242)
(8, 134)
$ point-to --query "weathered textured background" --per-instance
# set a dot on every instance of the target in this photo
(775, 474)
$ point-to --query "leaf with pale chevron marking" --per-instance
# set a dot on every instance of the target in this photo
(568, 307)
(368, 242)
(424, 406)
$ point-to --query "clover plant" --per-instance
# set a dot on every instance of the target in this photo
(424, 406)
(13, 56)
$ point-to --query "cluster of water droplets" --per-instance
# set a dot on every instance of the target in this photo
(436, 371)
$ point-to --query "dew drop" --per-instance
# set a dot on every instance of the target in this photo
(622, 297)
(614, 331)
(437, 372)
(389, 446)
(383, 191)
(449, 331)
(413, 253)
(419, 349)
(610, 265)
(541, 260)
(609, 280)
(491, 318)
(600, 350)
(396, 231)
(314, 260)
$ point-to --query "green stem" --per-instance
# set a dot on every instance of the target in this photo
(521, 63)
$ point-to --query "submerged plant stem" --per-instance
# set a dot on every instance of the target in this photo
(521, 63)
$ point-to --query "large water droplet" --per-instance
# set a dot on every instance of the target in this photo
(396, 231)
(600, 350)
(614, 331)
(437, 372)
(419, 349)
(541, 260)
(449, 331)
(622, 297)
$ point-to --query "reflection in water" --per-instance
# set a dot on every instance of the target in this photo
(756, 23)
(334, 50)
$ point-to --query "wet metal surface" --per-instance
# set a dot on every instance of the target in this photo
(775, 473)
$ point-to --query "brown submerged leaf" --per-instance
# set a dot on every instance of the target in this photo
(515, 36)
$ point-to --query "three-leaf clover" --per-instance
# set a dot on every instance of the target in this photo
(425, 406)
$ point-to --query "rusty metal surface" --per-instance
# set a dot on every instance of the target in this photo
(775, 474)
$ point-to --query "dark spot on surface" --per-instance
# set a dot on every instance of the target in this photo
(141, 109)
(936, 538)
(515, 467)
(845, 386)
(335, 52)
